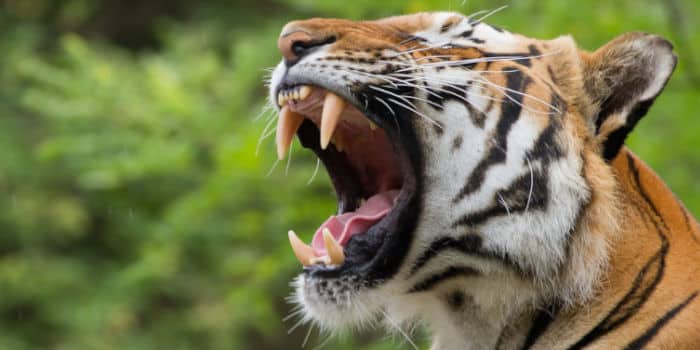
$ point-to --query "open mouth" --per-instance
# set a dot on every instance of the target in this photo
(370, 168)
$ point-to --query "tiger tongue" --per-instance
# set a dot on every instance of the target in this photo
(349, 224)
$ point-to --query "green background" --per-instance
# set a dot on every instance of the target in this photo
(136, 212)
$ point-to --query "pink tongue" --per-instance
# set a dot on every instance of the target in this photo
(349, 224)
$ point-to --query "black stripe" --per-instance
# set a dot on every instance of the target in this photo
(466, 33)
(542, 321)
(528, 192)
(450, 23)
(635, 172)
(468, 245)
(645, 338)
(498, 29)
(510, 113)
(457, 142)
(613, 143)
(478, 117)
(546, 148)
(447, 274)
(455, 92)
(642, 287)
(686, 220)
(646, 281)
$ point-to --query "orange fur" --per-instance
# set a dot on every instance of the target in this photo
(633, 226)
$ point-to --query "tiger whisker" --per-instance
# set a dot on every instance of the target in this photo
(264, 134)
(313, 175)
(535, 98)
(324, 342)
(477, 13)
(296, 310)
(503, 203)
(399, 329)
(463, 98)
(491, 13)
(532, 183)
(416, 112)
(410, 106)
(420, 49)
(480, 60)
(308, 334)
(487, 83)
(386, 105)
(396, 120)
(367, 74)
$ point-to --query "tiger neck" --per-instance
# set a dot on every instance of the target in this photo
(596, 247)
(603, 247)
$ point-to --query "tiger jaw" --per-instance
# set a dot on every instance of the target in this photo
(368, 168)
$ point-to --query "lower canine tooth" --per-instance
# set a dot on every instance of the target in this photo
(333, 107)
(302, 251)
(334, 249)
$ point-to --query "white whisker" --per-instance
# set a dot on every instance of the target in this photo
(308, 334)
(491, 13)
(296, 325)
(324, 343)
(386, 105)
(532, 183)
(503, 203)
(399, 329)
(272, 169)
(265, 133)
(313, 176)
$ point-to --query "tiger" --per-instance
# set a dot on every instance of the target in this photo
(485, 192)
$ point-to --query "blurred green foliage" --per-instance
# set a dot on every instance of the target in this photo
(137, 209)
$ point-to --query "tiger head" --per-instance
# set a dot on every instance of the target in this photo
(470, 163)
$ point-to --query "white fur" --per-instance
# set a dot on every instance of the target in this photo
(535, 239)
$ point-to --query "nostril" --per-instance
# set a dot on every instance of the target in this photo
(301, 48)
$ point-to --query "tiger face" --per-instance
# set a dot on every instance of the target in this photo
(470, 166)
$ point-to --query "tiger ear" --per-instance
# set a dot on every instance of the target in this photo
(622, 79)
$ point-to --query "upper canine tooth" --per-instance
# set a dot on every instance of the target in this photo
(296, 94)
(287, 125)
(333, 107)
(304, 92)
(334, 249)
(372, 126)
(302, 251)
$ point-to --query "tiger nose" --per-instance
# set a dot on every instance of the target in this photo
(295, 44)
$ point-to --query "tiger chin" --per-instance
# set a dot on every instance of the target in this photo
(484, 189)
